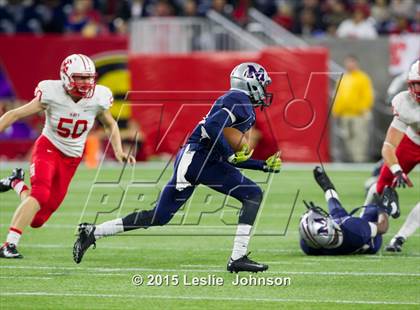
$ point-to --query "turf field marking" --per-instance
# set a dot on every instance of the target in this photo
(15, 277)
(318, 273)
(359, 259)
(143, 296)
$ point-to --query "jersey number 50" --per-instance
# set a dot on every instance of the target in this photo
(66, 128)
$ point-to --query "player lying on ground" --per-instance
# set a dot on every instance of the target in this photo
(207, 158)
(401, 149)
(411, 224)
(71, 106)
(339, 232)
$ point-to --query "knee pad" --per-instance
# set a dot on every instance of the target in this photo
(41, 194)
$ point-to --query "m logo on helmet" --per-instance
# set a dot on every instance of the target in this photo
(252, 72)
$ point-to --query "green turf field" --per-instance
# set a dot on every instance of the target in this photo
(199, 246)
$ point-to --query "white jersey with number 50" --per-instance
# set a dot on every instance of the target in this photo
(407, 116)
(68, 123)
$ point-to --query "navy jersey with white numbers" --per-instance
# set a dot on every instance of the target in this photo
(233, 109)
(359, 233)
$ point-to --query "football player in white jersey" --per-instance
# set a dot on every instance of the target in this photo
(71, 106)
(401, 149)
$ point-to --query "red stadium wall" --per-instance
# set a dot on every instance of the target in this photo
(28, 59)
(293, 123)
(175, 92)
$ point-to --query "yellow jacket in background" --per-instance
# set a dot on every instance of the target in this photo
(354, 95)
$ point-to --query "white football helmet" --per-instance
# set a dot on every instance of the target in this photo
(319, 230)
(78, 65)
(413, 78)
(252, 79)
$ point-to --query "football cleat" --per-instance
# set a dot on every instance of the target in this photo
(322, 179)
(6, 183)
(84, 241)
(9, 250)
(245, 264)
(395, 245)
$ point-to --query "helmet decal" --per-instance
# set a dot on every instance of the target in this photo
(252, 72)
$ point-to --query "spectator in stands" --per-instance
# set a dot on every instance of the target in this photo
(399, 24)
(240, 12)
(284, 15)
(352, 107)
(189, 8)
(404, 8)
(380, 13)
(84, 19)
(335, 14)
(19, 16)
(163, 8)
(315, 14)
(415, 25)
(222, 7)
(53, 15)
(130, 9)
(306, 24)
(358, 27)
(267, 7)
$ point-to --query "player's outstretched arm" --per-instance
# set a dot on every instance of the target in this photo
(393, 138)
(12, 116)
(113, 132)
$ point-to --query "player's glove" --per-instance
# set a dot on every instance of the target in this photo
(273, 163)
(243, 155)
(400, 178)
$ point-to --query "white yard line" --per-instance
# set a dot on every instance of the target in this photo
(215, 270)
(209, 298)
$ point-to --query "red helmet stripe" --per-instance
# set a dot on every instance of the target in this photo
(84, 64)
(88, 62)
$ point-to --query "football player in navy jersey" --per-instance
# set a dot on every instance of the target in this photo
(207, 158)
(339, 232)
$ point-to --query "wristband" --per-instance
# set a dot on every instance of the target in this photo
(395, 168)
(231, 158)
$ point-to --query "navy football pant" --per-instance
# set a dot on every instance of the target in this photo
(220, 176)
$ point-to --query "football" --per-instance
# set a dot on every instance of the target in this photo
(236, 138)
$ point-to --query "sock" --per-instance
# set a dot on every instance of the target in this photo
(109, 228)
(19, 186)
(13, 236)
(370, 194)
(331, 194)
(411, 223)
(240, 244)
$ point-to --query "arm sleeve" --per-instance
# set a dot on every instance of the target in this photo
(213, 128)
(252, 164)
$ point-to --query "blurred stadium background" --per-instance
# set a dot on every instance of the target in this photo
(166, 61)
(192, 45)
